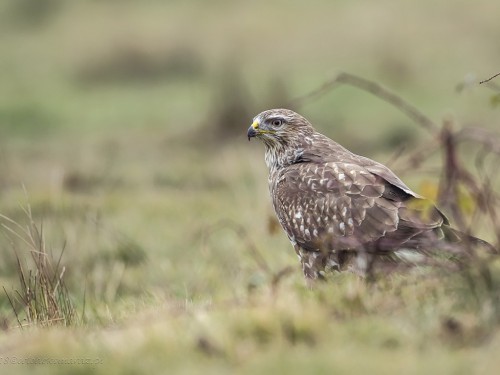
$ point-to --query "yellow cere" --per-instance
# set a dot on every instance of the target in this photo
(255, 124)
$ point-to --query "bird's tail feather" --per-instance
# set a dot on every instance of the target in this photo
(445, 248)
(465, 240)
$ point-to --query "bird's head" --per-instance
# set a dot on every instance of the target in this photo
(279, 127)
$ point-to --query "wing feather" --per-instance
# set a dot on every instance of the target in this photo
(341, 206)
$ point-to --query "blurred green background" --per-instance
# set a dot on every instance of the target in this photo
(123, 126)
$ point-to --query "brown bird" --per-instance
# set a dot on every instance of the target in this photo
(341, 210)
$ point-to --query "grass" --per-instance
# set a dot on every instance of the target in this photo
(396, 326)
(136, 164)
(43, 295)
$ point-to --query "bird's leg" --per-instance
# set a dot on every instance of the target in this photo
(359, 262)
(365, 264)
(316, 264)
(312, 263)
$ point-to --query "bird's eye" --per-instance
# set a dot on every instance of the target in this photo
(277, 122)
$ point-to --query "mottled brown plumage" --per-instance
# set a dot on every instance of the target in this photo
(341, 210)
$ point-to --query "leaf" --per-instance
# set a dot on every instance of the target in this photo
(495, 100)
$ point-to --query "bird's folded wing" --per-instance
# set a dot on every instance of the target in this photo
(335, 205)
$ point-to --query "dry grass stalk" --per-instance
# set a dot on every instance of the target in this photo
(43, 296)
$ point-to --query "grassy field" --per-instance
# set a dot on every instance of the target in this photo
(122, 128)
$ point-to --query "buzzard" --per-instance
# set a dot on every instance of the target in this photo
(342, 211)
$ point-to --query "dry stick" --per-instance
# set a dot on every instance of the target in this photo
(489, 195)
(395, 155)
(275, 278)
(323, 89)
(456, 175)
(375, 89)
(243, 234)
(415, 159)
(380, 92)
(489, 79)
(280, 274)
(453, 176)
(490, 140)
(491, 145)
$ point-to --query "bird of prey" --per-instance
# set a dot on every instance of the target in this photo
(342, 211)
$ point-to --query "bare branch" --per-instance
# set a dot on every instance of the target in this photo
(488, 139)
(375, 89)
(489, 79)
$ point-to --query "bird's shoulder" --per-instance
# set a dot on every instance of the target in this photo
(319, 149)
(330, 177)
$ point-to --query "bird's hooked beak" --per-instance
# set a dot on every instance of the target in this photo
(253, 130)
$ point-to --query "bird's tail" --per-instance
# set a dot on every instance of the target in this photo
(468, 242)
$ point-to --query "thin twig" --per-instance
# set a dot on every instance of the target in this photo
(489, 79)
(488, 139)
